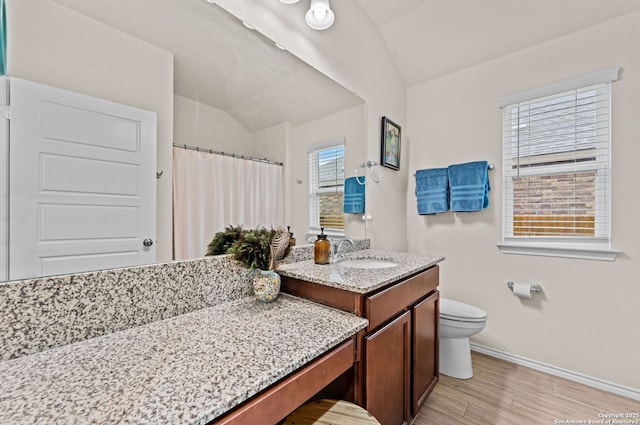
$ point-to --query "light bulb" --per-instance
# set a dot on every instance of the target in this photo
(320, 13)
(319, 16)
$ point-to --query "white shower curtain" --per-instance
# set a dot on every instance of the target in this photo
(212, 191)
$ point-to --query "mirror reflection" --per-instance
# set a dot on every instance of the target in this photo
(236, 92)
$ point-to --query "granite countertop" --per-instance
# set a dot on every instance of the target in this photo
(188, 369)
(360, 280)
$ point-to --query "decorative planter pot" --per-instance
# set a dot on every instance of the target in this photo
(266, 285)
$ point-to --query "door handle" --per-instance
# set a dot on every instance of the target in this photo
(147, 242)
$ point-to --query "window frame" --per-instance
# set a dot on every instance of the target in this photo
(315, 189)
(596, 247)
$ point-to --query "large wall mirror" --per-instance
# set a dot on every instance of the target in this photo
(233, 87)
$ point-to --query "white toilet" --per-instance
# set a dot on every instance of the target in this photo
(458, 321)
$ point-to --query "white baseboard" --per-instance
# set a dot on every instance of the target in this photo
(563, 373)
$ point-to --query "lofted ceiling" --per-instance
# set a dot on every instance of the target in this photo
(431, 38)
(219, 62)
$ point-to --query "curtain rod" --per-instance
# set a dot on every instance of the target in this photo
(248, 158)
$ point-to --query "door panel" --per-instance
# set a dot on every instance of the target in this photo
(387, 357)
(91, 127)
(425, 349)
(78, 222)
(82, 182)
(65, 174)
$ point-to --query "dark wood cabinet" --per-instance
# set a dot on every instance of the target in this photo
(399, 366)
(425, 350)
(387, 357)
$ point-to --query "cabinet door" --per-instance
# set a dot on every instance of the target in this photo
(387, 364)
(425, 324)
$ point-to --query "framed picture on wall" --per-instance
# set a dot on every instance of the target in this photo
(390, 144)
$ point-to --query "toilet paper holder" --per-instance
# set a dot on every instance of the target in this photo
(534, 288)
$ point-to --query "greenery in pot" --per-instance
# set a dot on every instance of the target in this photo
(222, 241)
(253, 248)
(258, 248)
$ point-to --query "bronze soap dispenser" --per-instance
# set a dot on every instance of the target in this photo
(321, 248)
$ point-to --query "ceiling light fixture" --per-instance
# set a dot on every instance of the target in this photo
(320, 16)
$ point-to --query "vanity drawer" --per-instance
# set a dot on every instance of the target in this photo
(387, 303)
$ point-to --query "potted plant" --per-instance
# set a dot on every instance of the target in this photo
(222, 241)
(258, 248)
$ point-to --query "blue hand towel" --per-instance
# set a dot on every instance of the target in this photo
(469, 186)
(353, 196)
(432, 190)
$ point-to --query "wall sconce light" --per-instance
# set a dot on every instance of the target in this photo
(320, 16)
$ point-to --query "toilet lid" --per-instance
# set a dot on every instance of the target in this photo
(456, 310)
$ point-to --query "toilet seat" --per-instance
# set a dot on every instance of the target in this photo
(461, 312)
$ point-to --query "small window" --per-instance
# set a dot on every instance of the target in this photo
(326, 189)
(557, 175)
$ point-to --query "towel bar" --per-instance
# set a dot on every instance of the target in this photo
(490, 166)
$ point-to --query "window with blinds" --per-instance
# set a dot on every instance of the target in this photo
(557, 166)
(326, 189)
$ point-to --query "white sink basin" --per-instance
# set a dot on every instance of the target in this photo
(367, 263)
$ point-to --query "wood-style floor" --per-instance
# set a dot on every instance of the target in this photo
(501, 392)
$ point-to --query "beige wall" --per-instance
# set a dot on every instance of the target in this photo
(53, 45)
(587, 319)
(270, 143)
(353, 53)
(197, 124)
(348, 124)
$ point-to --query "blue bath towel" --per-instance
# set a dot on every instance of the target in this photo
(469, 186)
(432, 190)
(353, 196)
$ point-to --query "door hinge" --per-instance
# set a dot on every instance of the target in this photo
(5, 112)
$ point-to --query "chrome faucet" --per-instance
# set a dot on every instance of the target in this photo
(339, 254)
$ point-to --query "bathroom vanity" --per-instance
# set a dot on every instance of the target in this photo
(239, 362)
(175, 343)
(186, 342)
(398, 294)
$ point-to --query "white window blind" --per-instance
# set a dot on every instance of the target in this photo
(556, 160)
(326, 189)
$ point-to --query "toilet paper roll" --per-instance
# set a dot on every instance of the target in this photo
(522, 290)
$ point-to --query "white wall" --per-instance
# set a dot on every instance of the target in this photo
(271, 143)
(353, 53)
(204, 126)
(53, 45)
(347, 124)
(588, 316)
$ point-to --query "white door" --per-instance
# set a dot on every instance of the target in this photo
(82, 184)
